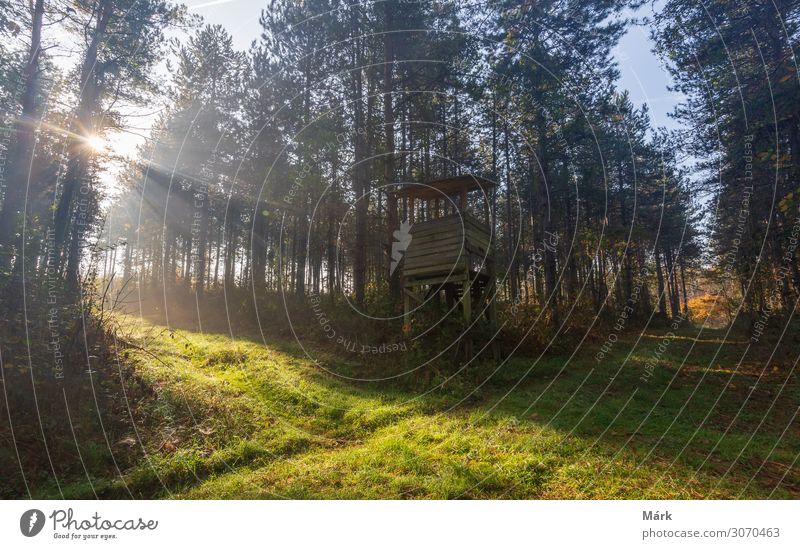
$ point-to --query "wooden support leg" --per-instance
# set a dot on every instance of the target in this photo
(491, 310)
(451, 294)
(491, 295)
(466, 303)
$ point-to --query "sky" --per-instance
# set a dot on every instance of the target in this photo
(642, 74)
(239, 17)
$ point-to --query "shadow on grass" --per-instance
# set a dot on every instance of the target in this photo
(703, 425)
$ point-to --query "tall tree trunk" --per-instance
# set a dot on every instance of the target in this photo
(21, 156)
(331, 237)
(544, 205)
(644, 292)
(79, 161)
(510, 231)
(674, 300)
(202, 244)
(229, 266)
(359, 174)
(627, 261)
(388, 159)
(259, 248)
(683, 285)
(662, 298)
(218, 252)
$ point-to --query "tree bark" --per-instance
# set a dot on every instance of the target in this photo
(25, 142)
(79, 160)
(388, 160)
(359, 175)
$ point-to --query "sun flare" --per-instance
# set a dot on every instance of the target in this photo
(97, 143)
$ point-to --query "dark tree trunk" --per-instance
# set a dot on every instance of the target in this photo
(21, 156)
(79, 161)
(662, 299)
(359, 183)
(388, 160)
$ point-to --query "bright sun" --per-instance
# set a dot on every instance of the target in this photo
(97, 143)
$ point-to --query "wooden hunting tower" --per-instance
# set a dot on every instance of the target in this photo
(449, 251)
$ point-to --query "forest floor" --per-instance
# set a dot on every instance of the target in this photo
(226, 417)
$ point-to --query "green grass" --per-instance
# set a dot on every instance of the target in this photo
(235, 418)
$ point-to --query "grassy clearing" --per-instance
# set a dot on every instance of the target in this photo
(234, 418)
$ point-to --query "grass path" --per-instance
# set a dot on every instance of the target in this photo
(227, 418)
